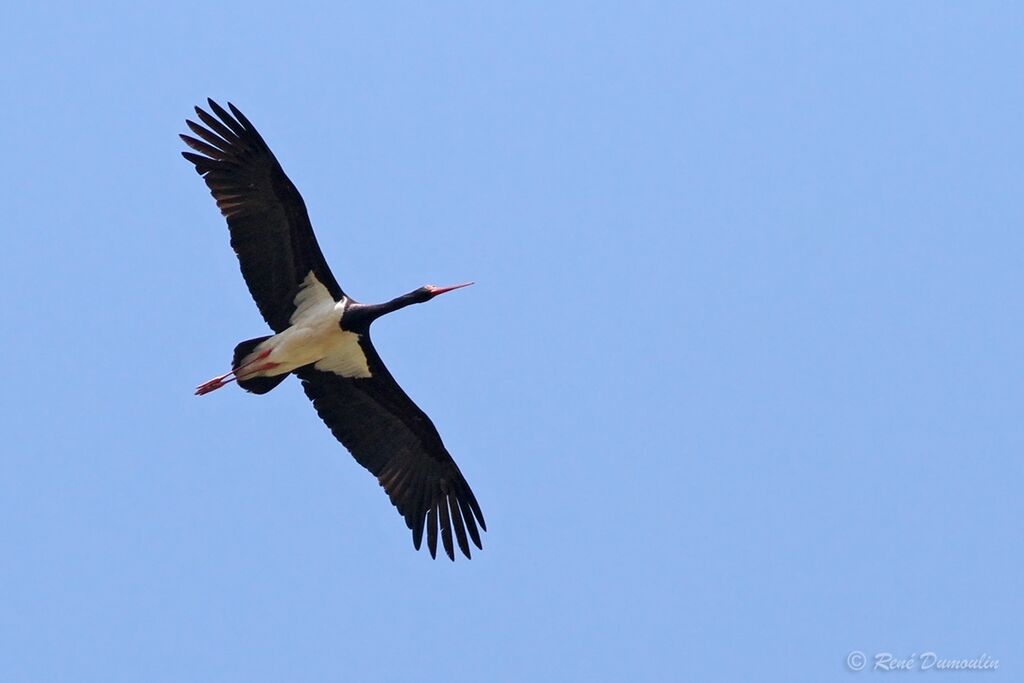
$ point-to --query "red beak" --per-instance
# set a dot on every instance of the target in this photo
(434, 291)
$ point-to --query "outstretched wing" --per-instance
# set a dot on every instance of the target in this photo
(391, 437)
(270, 229)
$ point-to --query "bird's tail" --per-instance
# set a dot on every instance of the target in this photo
(255, 385)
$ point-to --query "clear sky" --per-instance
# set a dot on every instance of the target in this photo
(739, 387)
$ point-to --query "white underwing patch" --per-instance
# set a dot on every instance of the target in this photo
(347, 359)
(312, 301)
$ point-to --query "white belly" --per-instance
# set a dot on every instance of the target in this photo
(314, 337)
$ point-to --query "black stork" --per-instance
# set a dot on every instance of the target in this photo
(322, 335)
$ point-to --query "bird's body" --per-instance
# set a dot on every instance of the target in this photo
(323, 336)
(315, 335)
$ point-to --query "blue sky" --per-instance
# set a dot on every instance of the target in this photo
(738, 387)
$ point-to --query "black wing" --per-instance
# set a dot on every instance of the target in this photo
(391, 437)
(270, 229)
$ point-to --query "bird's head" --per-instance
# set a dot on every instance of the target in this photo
(428, 292)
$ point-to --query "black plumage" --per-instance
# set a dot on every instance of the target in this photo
(270, 229)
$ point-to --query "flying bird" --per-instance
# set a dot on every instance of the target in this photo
(322, 335)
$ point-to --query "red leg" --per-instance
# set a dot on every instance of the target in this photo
(214, 384)
(218, 382)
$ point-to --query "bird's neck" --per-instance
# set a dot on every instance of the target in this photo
(367, 313)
